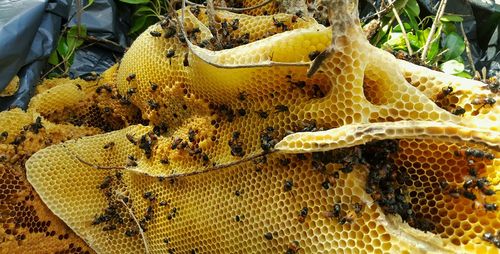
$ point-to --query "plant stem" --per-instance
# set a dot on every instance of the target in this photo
(435, 24)
(146, 249)
(403, 30)
(467, 49)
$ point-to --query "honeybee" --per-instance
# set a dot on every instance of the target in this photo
(130, 77)
(154, 86)
(288, 185)
(109, 145)
(303, 214)
(445, 91)
(483, 101)
(280, 24)
(153, 104)
(106, 182)
(131, 139)
(263, 114)
(281, 108)
(490, 207)
(313, 54)
(335, 213)
(268, 236)
(458, 111)
(470, 152)
(155, 33)
(131, 232)
(170, 53)
(293, 247)
(349, 217)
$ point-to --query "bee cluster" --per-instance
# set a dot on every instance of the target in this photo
(112, 217)
(474, 187)
(443, 99)
(492, 238)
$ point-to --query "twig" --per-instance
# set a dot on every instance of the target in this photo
(380, 13)
(230, 8)
(64, 30)
(146, 248)
(208, 170)
(435, 24)
(64, 61)
(94, 39)
(467, 48)
(389, 24)
(51, 69)
(211, 23)
(90, 164)
(403, 30)
(78, 16)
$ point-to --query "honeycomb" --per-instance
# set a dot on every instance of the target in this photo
(93, 103)
(300, 140)
(11, 87)
(26, 221)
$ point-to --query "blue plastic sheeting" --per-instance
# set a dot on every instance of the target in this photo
(92, 59)
(28, 34)
(22, 40)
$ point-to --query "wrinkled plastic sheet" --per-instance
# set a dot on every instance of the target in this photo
(104, 20)
(29, 30)
(25, 31)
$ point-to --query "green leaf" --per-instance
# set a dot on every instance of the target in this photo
(449, 28)
(88, 4)
(138, 24)
(433, 50)
(399, 4)
(71, 59)
(395, 40)
(143, 9)
(53, 59)
(455, 45)
(412, 8)
(397, 28)
(75, 41)
(135, 1)
(53, 75)
(381, 37)
(422, 37)
(452, 67)
(414, 42)
(413, 21)
(463, 74)
(62, 48)
(451, 18)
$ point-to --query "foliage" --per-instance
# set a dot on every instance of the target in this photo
(146, 13)
(62, 58)
(70, 39)
(447, 44)
(445, 51)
